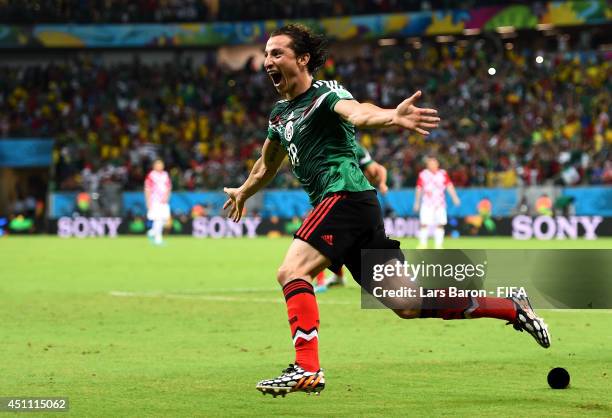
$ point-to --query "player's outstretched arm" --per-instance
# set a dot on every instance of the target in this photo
(147, 193)
(168, 192)
(453, 194)
(261, 174)
(405, 115)
(417, 199)
(377, 176)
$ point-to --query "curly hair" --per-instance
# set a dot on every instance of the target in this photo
(305, 41)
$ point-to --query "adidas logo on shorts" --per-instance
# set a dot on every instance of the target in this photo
(329, 239)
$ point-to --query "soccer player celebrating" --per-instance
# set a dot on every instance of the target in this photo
(314, 124)
(431, 184)
(157, 190)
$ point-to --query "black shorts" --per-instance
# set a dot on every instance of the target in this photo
(342, 225)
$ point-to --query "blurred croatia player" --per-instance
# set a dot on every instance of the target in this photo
(157, 195)
(430, 198)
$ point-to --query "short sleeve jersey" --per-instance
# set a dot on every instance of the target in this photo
(364, 157)
(159, 185)
(320, 144)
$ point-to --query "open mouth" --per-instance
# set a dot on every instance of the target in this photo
(276, 77)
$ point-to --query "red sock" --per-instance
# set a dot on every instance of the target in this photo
(321, 278)
(304, 322)
(468, 308)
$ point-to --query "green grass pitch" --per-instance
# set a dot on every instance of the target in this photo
(123, 328)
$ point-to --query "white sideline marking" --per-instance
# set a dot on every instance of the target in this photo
(218, 298)
(229, 290)
(602, 311)
(119, 293)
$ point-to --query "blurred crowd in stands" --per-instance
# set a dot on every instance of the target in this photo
(530, 123)
(139, 11)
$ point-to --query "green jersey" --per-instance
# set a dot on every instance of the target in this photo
(363, 156)
(320, 144)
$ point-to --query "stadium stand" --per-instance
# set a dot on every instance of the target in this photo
(139, 11)
(207, 122)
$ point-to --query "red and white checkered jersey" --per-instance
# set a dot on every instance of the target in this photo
(433, 185)
(158, 184)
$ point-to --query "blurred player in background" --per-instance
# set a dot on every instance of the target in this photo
(157, 190)
(431, 200)
(377, 176)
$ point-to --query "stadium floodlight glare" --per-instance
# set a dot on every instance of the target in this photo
(539, 59)
(506, 32)
(471, 31)
(505, 29)
(414, 41)
(387, 42)
(445, 38)
(492, 71)
(545, 26)
(605, 47)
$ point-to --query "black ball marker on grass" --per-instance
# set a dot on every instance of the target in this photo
(558, 378)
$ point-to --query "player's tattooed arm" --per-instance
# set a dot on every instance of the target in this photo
(272, 155)
(261, 174)
(405, 115)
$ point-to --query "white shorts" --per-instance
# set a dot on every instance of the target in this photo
(159, 212)
(432, 215)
